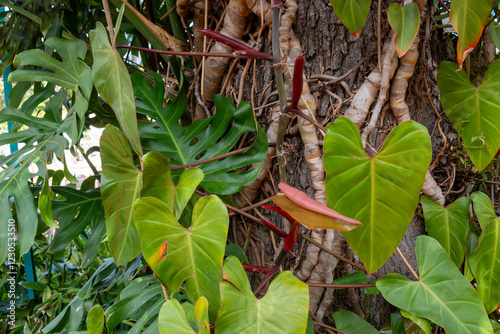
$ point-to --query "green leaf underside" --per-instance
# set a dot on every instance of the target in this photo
(485, 259)
(404, 21)
(351, 323)
(442, 294)
(468, 18)
(177, 254)
(120, 186)
(287, 299)
(380, 192)
(114, 85)
(202, 139)
(352, 13)
(449, 226)
(473, 111)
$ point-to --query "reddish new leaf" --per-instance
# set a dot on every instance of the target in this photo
(311, 213)
(291, 237)
(298, 81)
(280, 211)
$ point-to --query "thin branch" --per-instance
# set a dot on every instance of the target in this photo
(235, 54)
(306, 117)
(109, 20)
(219, 157)
(406, 263)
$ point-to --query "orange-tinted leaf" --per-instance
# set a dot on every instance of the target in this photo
(311, 213)
(469, 17)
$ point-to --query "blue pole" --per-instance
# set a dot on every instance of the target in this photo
(29, 268)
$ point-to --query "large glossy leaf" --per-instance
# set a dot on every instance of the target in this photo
(74, 213)
(120, 186)
(112, 81)
(404, 21)
(469, 17)
(351, 323)
(172, 318)
(352, 13)
(485, 260)
(380, 191)
(202, 139)
(473, 110)
(448, 225)
(177, 254)
(442, 294)
(241, 312)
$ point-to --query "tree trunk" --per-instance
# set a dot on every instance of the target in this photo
(330, 49)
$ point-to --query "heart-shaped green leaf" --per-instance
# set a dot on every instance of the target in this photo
(485, 260)
(352, 13)
(351, 323)
(404, 21)
(381, 191)
(201, 140)
(177, 254)
(121, 183)
(469, 18)
(112, 81)
(449, 226)
(474, 111)
(241, 312)
(442, 294)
